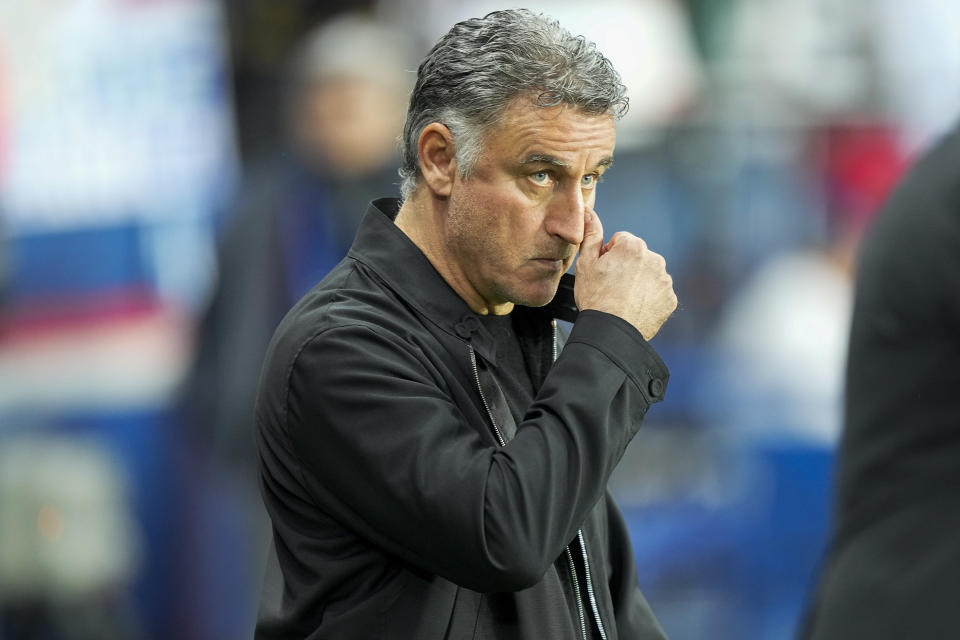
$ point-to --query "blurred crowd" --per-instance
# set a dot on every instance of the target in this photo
(174, 174)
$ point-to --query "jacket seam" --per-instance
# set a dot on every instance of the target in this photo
(286, 403)
(407, 299)
(284, 416)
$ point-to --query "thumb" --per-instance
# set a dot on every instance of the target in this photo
(592, 243)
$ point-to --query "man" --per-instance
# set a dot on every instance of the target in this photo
(433, 463)
(893, 567)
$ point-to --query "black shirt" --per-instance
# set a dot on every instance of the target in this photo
(516, 383)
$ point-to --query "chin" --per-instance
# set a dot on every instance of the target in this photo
(537, 296)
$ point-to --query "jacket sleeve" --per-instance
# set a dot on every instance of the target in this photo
(386, 450)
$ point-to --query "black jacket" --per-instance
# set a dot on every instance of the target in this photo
(893, 570)
(401, 507)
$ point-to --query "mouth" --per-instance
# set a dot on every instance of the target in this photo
(553, 264)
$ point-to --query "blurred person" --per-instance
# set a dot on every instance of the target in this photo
(296, 217)
(433, 457)
(893, 565)
(261, 36)
(782, 337)
(774, 389)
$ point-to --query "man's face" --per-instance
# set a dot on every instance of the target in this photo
(514, 226)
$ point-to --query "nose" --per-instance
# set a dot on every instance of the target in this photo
(565, 216)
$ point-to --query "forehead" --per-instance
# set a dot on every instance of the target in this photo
(562, 131)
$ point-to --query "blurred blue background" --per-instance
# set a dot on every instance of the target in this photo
(175, 173)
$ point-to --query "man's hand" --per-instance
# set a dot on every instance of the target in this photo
(623, 277)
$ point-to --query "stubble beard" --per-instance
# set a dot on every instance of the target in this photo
(471, 243)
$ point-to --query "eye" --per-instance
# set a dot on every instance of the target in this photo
(542, 178)
(589, 181)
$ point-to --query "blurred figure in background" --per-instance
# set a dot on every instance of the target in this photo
(893, 566)
(343, 106)
(783, 336)
(297, 213)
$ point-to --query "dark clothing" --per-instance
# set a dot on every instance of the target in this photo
(515, 381)
(401, 505)
(893, 569)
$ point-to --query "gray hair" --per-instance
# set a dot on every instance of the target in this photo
(473, 73)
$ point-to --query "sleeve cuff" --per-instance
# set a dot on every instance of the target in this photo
(622, 343)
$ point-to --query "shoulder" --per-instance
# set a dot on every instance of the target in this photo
(924, 209)
(909, 266)
(351, 303)
(349, 325)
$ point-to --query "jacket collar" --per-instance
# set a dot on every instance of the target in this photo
(383, 247)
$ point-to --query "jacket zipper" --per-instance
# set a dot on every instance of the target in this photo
(583, 545)
(576, 593)
(590, 592)
(573, 567)
(476, 378)
(496, 431)
(583, 548)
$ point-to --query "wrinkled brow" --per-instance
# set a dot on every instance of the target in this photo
(543, 158)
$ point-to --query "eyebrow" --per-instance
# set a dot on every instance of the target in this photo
(543, 158)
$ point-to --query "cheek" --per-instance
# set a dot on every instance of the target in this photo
(504, 220)
(502, 214)
(476, 229)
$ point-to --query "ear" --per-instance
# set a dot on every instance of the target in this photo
(438, 163)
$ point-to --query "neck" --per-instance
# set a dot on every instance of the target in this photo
(422, 218)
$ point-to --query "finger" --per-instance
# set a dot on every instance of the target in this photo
(622, 237)
(592, 234)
